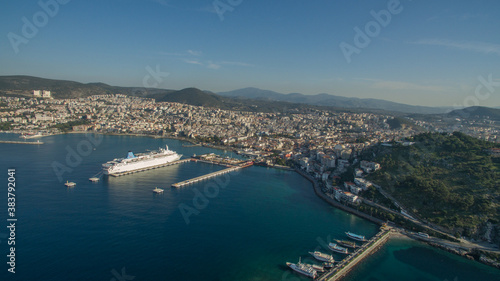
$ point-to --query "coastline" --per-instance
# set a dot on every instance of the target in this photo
(336, 204)
(463, 252)
(138, 135)
(455, 249)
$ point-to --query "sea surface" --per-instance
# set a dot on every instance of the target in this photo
(241, 226)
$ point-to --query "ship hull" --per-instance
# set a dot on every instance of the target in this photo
(146, 162)
(338, 249)
(296, 268)
(346, 244)
(356, 237)
(322, 258)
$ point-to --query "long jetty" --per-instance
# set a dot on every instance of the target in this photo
(23, 142)
(152, 167)
(204, 177)
(231, 165)
(343, 267)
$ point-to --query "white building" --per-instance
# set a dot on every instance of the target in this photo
(364, 184)
(36, 93)
(41, 118)
(369, 166)
(46, 94)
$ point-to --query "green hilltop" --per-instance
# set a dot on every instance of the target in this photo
(449, 180)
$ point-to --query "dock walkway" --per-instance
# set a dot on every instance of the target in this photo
(204, 177)
(343, 267)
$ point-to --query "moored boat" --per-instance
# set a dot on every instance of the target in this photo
(158, 190)
(356, 236)
(336, 248)
(94, 179)
(69, 184)
(322, 256)
(318, 268)
(348, 244)
(303, 269)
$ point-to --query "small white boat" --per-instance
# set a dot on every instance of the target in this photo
(94, 179)
(322, 256)
(69, 184)
(158, 190)
(356, 236)
(336, 248)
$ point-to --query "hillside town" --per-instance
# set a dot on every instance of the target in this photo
(323, 143)
(320, 140)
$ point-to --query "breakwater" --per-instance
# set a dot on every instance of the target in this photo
(23, 142)
(231, 164)
(343, 267)
(204, 177)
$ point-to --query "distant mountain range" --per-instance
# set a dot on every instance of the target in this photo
(476, 112)
(247, 99)
(23, 86)
(336, 101)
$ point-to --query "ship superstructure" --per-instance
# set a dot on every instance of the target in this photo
(141, 161)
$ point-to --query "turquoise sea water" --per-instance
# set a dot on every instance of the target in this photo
(243, 226)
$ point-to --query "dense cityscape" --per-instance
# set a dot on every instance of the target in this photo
(324, 144)
(250, 140)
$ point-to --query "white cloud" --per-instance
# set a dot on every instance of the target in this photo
(195, 57)
(236, 63)
(216, 65)
(212, 65)
(194, 53)
(480, 47)
(193, 62)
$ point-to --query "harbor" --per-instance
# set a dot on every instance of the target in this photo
(128, 206)
(343, 267)
(232, 165)
(340, 269)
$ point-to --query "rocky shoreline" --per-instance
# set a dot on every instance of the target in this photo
(471, 254)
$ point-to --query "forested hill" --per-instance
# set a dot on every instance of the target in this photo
(450, 180)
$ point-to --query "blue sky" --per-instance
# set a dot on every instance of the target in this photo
(428, 53)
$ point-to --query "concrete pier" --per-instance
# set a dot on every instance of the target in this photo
(152, 167)
(343, 267)
(23, 142)
(204, 177)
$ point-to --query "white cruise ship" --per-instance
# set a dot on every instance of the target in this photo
(141, 161)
